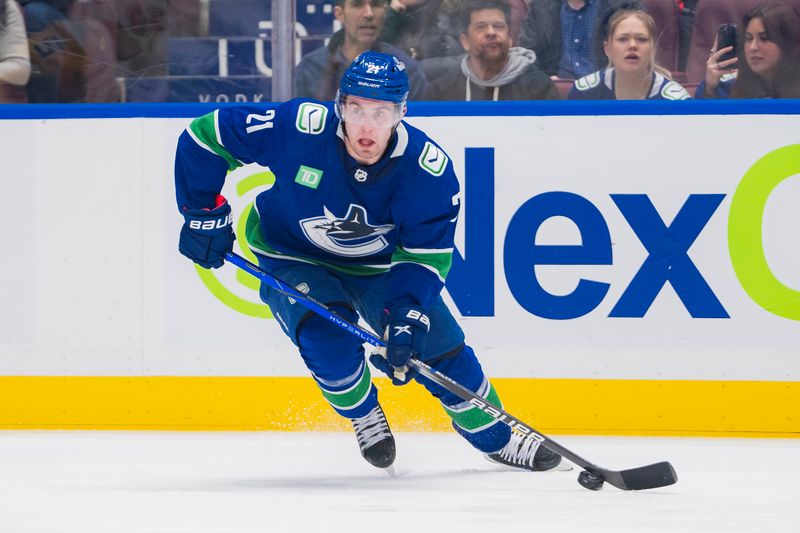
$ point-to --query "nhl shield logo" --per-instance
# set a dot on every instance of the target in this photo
(360, 175)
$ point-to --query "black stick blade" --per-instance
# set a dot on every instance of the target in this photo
(644, 477)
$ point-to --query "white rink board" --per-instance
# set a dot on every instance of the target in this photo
(92, 283)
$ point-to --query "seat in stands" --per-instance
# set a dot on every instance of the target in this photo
(100, 64)
(197, 89)
(225, 56)
(666, 15)
(242, 18)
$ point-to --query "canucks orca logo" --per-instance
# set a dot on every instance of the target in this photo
(351, 236)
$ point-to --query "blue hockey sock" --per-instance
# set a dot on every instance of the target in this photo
(353, 399)
(480, 429)
(336, 361)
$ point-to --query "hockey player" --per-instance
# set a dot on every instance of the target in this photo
(361, 217)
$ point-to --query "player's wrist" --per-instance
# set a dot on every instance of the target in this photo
(213, 220)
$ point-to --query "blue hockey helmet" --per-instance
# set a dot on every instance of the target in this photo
(376, 76)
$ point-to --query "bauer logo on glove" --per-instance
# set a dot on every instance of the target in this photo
(204, 225)
(413, 314)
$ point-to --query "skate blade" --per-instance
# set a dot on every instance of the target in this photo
(390, 470)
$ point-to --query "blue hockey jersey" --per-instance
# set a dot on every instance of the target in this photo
(600, 86)
(397, 215)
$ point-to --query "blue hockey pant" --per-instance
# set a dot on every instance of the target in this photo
(336, 358)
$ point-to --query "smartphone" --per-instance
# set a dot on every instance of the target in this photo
(726, 36)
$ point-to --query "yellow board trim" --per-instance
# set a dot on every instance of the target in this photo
(557, 406)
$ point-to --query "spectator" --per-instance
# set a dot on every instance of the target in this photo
(687, 10)
(15, 64)
(318, 74)
(412, 26)
(142, 33)
(565, 35)
(632, 72)
(57, 58)
(40, 13)
(768, 55)
(491, 69)
(450, 10)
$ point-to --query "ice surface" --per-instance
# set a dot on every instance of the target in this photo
(142, 482)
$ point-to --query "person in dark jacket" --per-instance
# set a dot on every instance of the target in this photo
(566, 35)
(318, 74)
(413, 26)
(491, 69)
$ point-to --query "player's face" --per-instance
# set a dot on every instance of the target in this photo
(630, 46)
(488, 37)
(369, 125)
(362, 20)
(762, 55)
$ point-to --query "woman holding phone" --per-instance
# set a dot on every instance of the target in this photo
(768, 58)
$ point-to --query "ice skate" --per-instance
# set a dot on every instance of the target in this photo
(526, 453)
(375, 438)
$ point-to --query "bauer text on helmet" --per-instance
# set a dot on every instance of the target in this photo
(376, 76)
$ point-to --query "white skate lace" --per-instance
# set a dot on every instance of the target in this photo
(520, 450)
(371, 428)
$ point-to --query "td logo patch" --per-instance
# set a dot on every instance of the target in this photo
(310, 177)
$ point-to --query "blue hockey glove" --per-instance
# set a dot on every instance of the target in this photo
(406, 328)
(207, 234)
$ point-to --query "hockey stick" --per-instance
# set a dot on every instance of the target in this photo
(643, 477)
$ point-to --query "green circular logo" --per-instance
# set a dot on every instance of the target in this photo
(255, 308)
(745, 232)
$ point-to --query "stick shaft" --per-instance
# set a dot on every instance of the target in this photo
(613, 477)
(433, 375)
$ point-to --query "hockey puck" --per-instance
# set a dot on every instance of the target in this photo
(590, 481)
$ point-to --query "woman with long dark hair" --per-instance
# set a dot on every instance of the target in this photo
(768, 58)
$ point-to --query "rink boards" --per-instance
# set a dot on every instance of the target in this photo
(622, 269)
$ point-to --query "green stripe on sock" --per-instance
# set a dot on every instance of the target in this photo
(350, 398)
(473, 419)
